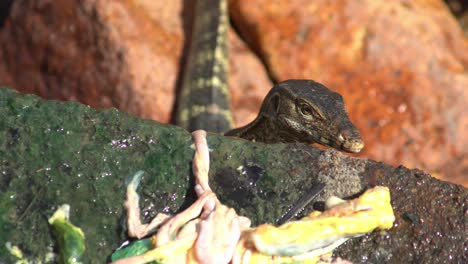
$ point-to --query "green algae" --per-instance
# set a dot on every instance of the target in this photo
(53, 153)
(68, 153)
(63, 152)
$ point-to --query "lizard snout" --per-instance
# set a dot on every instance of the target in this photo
(350, 141)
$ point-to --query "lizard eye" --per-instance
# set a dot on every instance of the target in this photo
(307, 110)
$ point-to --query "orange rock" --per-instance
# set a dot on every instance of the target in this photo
(248, 81)
(120, 54)
(401, 66)
(124, 54)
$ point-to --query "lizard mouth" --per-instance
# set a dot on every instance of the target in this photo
(347, 144)
(353, 145)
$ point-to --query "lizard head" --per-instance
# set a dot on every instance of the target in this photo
(306, 111)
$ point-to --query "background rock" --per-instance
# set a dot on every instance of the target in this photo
(401, 65)
(122, 54)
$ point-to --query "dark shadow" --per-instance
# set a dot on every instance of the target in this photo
(187, 15)
(5, 7)
(458, 7)
(249, 42)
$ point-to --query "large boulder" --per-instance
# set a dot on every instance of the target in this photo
(53, 153)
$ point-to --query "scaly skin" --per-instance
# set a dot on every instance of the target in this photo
(303, 111)
(204, 96)
(293, 111)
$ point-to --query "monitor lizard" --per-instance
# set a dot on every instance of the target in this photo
(293, 111)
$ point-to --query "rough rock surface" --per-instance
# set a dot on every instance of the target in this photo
(401, 66)
(54, 152)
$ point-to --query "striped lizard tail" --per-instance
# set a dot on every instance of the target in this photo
(204, 96)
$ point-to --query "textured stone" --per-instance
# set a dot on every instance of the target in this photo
(401, 66)
(54, 152)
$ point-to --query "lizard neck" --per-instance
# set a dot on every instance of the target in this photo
(268, 127)
(252, 130)
(262, 129)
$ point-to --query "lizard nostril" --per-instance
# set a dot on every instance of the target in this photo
(340, 138)
(349, 135)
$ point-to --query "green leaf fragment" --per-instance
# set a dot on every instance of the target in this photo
(134, 249)
(69, 237)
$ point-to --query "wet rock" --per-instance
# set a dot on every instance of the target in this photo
(54, 152)
(401, 66)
